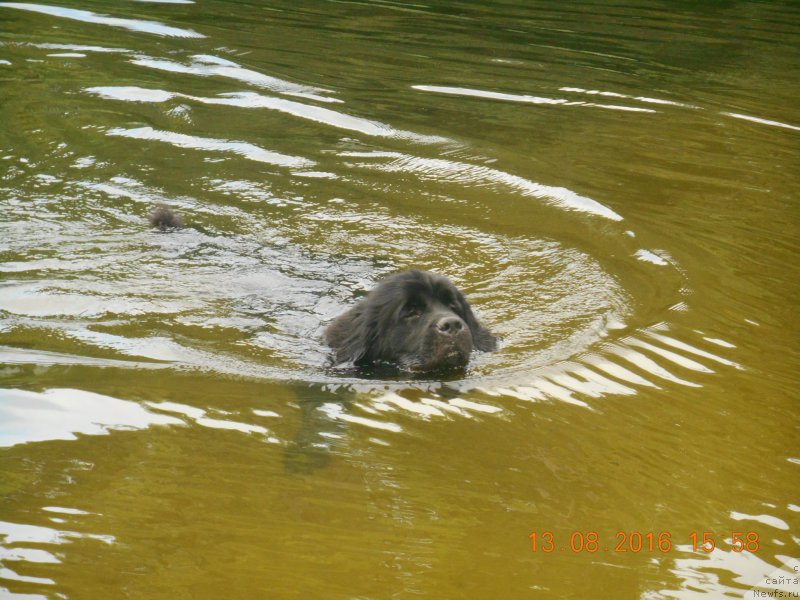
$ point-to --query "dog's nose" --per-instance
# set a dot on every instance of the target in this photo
(449, 325)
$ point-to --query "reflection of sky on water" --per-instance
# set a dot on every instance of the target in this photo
(60, 414)
(86, 16)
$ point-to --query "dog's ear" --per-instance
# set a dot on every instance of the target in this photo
(348, 336)
(482, 338)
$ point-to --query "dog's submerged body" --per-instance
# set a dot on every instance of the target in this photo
(415, 320)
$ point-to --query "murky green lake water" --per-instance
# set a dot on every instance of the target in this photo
(613, 185)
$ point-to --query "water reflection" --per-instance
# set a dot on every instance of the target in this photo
(489, 95)
(205, 65)
(15, 542)
(611, 185)
(80, 48)
(727, 574)
(86, 16)
(316, 114)
(447, 171)
(761, 120)
(244, 149)
(62, 414)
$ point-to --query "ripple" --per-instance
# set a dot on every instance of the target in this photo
(768, 520)
(244, 149)
(457, 91)
(526, 98)
(15, 539)
(34, 300)
(267, 320)
(608, 94)
(550, 139)
(131, 93)
(615, 368)
(11, 356)
(722, 574)
(61, 414)
(437, 169)
(205, 65)
(260, 271)
(651, 257)
(86, 16)
(337, 412)
(761, 121)
(81, 48)
(317, 114)
(201, 417)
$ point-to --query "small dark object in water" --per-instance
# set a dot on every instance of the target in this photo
(415, 320)
(164, 218)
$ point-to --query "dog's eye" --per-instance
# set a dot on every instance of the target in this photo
(455, 306)
(450, 301)
(412, 311)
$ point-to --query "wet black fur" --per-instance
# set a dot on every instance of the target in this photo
(415, 320)
(164, 218)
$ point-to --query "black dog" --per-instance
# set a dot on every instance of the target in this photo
(415, 320)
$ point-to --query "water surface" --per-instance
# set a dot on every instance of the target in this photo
(612, 185)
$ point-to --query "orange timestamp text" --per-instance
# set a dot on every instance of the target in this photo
(635, 541)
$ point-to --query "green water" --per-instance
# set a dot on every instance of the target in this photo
(614, 187)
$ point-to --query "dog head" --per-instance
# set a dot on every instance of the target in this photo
(416, 320)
